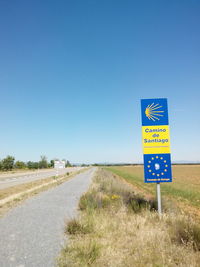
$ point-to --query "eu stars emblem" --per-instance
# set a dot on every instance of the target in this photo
(157, 167)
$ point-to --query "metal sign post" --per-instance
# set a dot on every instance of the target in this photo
(156, 143)
(159, 199)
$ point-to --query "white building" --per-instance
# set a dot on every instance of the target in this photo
(59, 164)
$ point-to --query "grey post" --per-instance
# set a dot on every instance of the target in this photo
(159, 199)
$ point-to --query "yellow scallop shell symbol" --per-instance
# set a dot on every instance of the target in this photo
(153, 112)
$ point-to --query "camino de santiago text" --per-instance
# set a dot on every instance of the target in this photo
(156, 136)
(156, 140)
(147, 130)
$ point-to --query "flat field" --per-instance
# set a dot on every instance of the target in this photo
(185, 187)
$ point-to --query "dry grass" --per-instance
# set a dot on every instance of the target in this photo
(6, 192)
(120, 236)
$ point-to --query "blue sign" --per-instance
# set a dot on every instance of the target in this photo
(156, 141)
(154, 112)
(157, 168)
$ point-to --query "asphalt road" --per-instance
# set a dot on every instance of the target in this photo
(32, 234)
(12, 180)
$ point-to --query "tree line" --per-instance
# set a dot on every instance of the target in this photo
(9, 163)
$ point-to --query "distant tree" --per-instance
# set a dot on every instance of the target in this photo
(0, 165)
(20, 165)
(8, 163)
(36, 165)
(52, 163)
(29, 164)
(68, 164)
(43, 162)
(83, 165)
(32, 165)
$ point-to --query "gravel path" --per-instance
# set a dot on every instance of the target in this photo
(33, 233)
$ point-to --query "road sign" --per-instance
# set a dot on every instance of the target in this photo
(156, 140)
(59, 164)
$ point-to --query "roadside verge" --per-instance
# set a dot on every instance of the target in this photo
(117, 227)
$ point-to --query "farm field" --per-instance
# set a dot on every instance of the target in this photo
(185, 187)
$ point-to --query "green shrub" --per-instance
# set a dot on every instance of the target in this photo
(137, 203)
(77, 227)
(94, 200)
(87, 201)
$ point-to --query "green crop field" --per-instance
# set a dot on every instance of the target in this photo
(185, 186)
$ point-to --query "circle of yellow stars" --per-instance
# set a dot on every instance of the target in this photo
(165, 165)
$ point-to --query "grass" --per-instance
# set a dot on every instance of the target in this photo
(186, 232)
(124, 229)
(75, 226)
(6, 192)
(185, 186)
(85, 254)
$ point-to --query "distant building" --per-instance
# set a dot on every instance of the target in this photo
(59, 164)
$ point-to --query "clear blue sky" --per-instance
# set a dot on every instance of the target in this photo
(72, 74)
